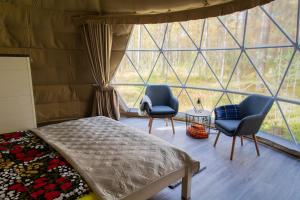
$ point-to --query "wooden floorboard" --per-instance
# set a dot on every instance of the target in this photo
(273, 175)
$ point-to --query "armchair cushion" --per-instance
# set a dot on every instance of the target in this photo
(162, 110)
(227, 126)
(228, 112)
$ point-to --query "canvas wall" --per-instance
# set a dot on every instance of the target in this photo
(44, 30)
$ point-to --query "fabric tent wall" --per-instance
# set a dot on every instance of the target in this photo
(45, 31)
(157, 11)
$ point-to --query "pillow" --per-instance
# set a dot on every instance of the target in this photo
(145, 101)
(228, 112)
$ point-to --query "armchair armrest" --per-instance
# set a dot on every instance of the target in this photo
(174, 103)
(250, 125)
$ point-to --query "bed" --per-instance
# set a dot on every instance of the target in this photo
(116, 161)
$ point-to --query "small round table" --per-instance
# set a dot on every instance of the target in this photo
(202, 117)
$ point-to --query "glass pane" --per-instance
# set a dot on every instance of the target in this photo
(130, 94)
(291, 113)
(202, 76)
(163, 73)
(194, 29)
(291, 85)
(224, 100)
(141, 95)
(271, 63)
(261, 31)
(275, 124)
(278, 10)
(174, 34)
(181, 61)
(140, 39)
(216, 36)
(176, 91)
(184, 102)
(143, 61)
(223, 63)
(157, 32)
(236, 98)
(245, 78)
(235, 24)
(208, 99)
(127, 68)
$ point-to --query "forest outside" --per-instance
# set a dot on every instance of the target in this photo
(221, 60)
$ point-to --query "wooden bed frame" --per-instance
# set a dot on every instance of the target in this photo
(155, 187)
(185, 174)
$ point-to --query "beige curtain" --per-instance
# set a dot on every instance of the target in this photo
(98, 40)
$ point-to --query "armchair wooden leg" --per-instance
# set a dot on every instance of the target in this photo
(242, 140)
(217, 137)
(232, 147)
(150, 124)
(172, 122)
(256, 145)
(166, 121)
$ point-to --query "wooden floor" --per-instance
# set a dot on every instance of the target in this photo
(273, 175)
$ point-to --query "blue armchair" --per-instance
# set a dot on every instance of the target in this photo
(164, 104)
(242, 119)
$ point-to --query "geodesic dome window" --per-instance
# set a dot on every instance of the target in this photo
(221, 60)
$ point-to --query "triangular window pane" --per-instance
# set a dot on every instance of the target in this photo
(181, 61)
(216, 36)
(184, 102)
(137, 102)
(194, 29)
(140, 39)
(291, 113)
(130, 94)
(235, 23)
(208, 99)
(177, 38)
(224, 100)
(275, 125)
(163, 73)
(245, 78)
(202, 76)
(236, 98)
(176, 91)
(290, 88)
(127, 68)
(143, 61)
(278, 10)
(223, 63)
(262, 32)
(157, 32)
(271, 63)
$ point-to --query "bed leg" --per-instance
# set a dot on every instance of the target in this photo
(186, 184)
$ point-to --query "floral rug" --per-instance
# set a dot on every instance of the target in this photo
(31, 169)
